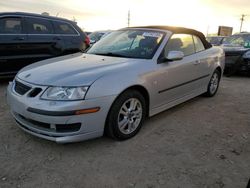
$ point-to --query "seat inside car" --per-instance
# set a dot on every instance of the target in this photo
(174, 44)
(147, 45)
(17, 28)
(38, 29)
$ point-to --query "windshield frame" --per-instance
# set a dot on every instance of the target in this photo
(163, 32)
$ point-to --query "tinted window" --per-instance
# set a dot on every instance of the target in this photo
(39, 26)
(64, 28)
(237, 40)
(198, 44)
(181, 42)
(10, 25)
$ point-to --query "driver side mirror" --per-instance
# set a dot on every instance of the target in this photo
(175, 55)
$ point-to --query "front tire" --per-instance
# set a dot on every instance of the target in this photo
(126, 115)
(213, 84)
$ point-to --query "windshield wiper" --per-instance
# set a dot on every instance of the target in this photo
(112, 54)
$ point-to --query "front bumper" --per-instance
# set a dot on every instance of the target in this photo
(235, 61)
(239, 65)
(61, 129)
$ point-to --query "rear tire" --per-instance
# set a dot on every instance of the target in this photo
(126, 115)
(213, 84)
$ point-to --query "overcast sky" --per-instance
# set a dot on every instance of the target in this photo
(204, 15)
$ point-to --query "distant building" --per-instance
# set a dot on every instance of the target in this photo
(225, 31)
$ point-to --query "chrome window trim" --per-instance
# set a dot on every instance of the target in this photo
(50, 19)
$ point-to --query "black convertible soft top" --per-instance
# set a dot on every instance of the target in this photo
(180, 30)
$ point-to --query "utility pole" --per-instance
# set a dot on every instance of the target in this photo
(128, 18)
(242, 19)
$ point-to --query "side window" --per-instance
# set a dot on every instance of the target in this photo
(181, 42)
(39, 26)
(64, 28)
(11, 26)
(198, 44)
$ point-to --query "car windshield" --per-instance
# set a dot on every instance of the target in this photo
(129, 43)
(237, 40)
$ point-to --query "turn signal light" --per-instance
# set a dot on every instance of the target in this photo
(87, 111)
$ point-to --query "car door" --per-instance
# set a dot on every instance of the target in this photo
(177, 79)
(43, 43)
(13, 42)
(202, 65)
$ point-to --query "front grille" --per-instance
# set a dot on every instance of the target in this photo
(63, 128)
(35, 92)
(36, 123)
(59, 128)
(21, 88)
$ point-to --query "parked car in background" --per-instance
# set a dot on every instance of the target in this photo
(237, 53)
(26, 38)
(97, 35)
(130, 74)
(216, 40)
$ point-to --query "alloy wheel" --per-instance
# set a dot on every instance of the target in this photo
(214, 83)
(129, 116)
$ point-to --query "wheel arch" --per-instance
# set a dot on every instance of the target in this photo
(144, 93)
(220, 70)
(141, 89)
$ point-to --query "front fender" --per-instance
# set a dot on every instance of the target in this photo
(114, 84)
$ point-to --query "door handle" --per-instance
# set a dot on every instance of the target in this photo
(197, 62)
(19, 38)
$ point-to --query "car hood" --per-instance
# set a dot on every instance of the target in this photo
(72, 70)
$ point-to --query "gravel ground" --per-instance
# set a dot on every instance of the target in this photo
(204, 142)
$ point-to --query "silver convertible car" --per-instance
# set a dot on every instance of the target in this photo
(131, 74)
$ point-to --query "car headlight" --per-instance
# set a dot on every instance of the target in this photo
(247, 55)
(64, 93)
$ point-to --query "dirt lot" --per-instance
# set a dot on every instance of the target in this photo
(202, 143)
